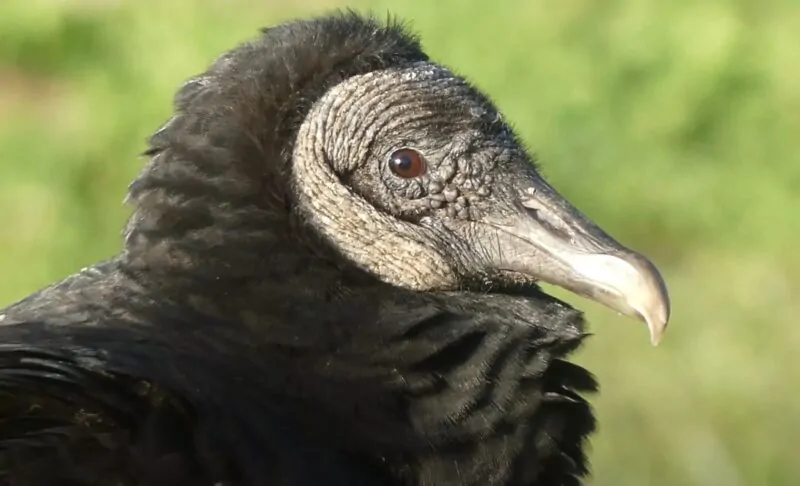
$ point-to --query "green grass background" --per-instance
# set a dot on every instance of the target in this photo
(675, 124)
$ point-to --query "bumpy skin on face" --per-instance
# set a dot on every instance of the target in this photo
(329, 277)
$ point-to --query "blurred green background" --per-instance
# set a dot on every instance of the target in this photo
(675, 124)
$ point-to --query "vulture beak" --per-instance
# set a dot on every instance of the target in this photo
(548, 238)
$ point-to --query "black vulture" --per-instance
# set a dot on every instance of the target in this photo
(330, 276)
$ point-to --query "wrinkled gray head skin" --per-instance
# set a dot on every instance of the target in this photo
(472, 212)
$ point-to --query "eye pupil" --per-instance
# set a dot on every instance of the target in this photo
(404, 163)
(407, 163)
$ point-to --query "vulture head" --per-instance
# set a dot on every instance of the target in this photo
(336, 251)
(413, 175)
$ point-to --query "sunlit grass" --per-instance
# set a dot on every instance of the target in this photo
(674, 124)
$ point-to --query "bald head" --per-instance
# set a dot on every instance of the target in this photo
(413, 175)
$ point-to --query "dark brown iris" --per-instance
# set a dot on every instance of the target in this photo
(407, 163)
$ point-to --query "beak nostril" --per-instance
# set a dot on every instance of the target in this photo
(552, 223)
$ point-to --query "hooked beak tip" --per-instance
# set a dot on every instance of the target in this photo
(657, 327)
(627, 282)
(647, 296)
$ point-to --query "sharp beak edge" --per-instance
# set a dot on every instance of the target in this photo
(552, 241)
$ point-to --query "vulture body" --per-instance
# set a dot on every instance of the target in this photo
(329, 277)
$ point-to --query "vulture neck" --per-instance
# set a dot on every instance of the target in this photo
(460, 385)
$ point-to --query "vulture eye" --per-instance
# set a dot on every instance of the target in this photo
(407, 163)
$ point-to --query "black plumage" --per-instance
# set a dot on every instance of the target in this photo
(256, 331)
